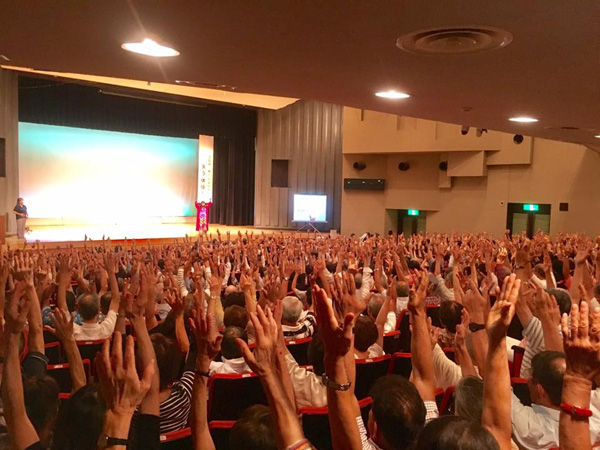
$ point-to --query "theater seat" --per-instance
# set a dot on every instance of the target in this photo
(519, 352)
(521, 390)
(404, 328)
(53, 353)
(177, 440)
(88, 349)
(391, 342)
(230, 394)
(315, 423)
(447, 406)
(219, 431)
(401, 364)
(60, 372)
(368, 370)
(49, 336)
(299, 350)
(449, 352)
(433, 311)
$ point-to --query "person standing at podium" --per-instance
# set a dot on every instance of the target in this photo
(20, 211)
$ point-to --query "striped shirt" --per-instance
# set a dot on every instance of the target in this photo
(305, 328)
(175, 410)
(535, 344)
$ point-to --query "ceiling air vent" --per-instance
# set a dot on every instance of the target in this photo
(454, 40)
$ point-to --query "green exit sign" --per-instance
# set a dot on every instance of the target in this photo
(413, 212)
(530, 207)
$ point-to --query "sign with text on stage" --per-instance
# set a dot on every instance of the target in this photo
(205, 168)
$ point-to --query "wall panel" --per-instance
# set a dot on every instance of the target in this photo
(308, 134)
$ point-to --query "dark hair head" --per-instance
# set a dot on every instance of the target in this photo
(168, 359)
(398, 410)
(228, 348)
(71, 301)
(548, 370)
(316, 354)
(375, 304)
(402, 289)
(450, 315)
(468, 398)
(88, 306)
(234, 298)
(455, 433)
(365, 333)
(235, 316)
(105, 303)
(254, 430)
(80, 420)
(41, 400)
(563, 299)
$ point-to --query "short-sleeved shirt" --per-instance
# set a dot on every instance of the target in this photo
(20, 209)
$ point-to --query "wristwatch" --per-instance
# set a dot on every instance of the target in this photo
(473, 327)
(329, 383)
(576, 412)
(105, 441)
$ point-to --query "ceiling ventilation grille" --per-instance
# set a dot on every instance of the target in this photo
(454, 40)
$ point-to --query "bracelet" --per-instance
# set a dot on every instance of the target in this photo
(202, 373)
(577, 412)
(303, 444)
(333, 385)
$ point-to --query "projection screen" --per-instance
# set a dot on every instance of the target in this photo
(105, 176)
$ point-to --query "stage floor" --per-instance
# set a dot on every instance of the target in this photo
(167, 232)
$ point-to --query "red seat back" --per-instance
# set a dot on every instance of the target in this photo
(230, 394)
(299, 350)
(519, 352)
(53, 352)
(220, 431)
(520, 388)
(60, 372)
(391, 342)
(177, 440)
(447, 406)
(368, 370)
(401, 364)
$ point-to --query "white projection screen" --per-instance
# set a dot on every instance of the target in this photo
(105, 176)
(310, 208)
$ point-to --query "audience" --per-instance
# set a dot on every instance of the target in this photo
(171, 317)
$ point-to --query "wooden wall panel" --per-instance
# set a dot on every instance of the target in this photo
(308, 134)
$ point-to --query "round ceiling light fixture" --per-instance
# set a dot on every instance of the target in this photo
(149, 47)
(523, 119)
(393, 95)
(597, 136)
(454, 40)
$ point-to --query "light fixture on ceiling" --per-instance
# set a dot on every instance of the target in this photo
(149, 47)
(523, 119)
(598, 136)
(392, 95)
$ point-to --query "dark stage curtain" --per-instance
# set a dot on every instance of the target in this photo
(234, 128)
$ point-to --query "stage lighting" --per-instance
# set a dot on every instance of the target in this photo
(149, 47)
(464, 130)
(481, 131)
(518, 139)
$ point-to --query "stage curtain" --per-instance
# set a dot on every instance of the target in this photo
(233, 187)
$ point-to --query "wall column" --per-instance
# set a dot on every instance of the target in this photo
(9, 129)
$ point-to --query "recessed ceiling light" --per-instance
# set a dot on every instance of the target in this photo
(523, 119)
(394, 95)
(149, 47)
(598, 136)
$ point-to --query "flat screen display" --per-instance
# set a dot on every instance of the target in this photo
(310, 208)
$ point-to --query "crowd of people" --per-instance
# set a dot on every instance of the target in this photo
(221, 304)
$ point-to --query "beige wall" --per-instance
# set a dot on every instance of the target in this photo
(557, 172)
(9, 126)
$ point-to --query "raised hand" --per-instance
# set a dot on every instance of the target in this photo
(263, 360)
(16, 309)
(337, 338)
(501, 314)
(208, 338)
(416, 301)
(176, 303)
(63, 324)
(581, 340)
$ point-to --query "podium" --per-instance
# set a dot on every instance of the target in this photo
(2, 229)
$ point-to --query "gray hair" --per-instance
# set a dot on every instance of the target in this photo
(468, 399)
(292, 309)
(375, 305)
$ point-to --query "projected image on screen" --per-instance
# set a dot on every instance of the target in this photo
(104, 175)
(310, 208)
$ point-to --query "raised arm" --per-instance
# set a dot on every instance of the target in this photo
(496, 386)
(110, 267)
(36, 336)
(63, 328)
(548, 313)
(64, 280)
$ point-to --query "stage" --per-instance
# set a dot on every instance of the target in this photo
(52, 234)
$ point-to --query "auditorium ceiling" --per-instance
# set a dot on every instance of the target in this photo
(547, 65)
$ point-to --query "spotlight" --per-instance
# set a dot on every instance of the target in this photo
(481, 131)
(464, 130)
(443, 165)
(518, 139)
(403, 166)
(359, 165)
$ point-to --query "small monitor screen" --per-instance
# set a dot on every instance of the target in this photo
(310, 208)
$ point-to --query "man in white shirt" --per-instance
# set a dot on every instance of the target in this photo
(232, 360)
(536, 426)
(88, 305)
(296, 323)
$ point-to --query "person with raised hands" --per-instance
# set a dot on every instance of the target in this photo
(581, 338)
(123, 392)
(263, 362)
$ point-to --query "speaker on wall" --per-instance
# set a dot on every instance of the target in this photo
(359, 165)
(403, 166)
(364, 184)
(443, 165)
(563, 207)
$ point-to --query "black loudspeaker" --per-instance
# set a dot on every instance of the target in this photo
(364, 184)
(563, 207)
(403, 166)
(518, 139)
(443, 165)
(359, 165)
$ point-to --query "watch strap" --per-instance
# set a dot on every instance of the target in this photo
(473, 327)
(576, 412)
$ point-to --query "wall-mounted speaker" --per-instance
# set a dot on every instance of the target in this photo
(403, 166)
(443, 165)
(364, 184)
(563, 207)
(518, 139)
(359, 165)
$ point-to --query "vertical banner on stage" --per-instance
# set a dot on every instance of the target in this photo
(205, 168)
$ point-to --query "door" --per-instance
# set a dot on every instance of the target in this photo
(411, 221)
(528, 217)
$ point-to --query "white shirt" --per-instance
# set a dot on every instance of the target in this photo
(96, 331)
(308, 387)
(374, 350)
(390, 322)
(536, 427)
(235, 365)
(442, 290)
